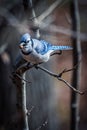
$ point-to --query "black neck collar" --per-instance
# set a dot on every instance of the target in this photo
(26, 53)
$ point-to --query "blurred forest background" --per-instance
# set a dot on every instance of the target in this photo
(51, 104)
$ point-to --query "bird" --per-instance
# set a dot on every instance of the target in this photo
(38, 51)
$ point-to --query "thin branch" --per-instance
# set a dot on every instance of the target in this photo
(67, 70)
(58, 76)
(77, 55)
(43, 125)
(26, 125)
(68, 18)
(75, 90)
(49, 10)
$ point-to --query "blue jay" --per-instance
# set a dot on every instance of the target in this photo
(37, 51)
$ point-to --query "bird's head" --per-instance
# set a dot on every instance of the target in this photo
(25, 43)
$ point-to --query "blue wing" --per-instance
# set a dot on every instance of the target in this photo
(45, 47)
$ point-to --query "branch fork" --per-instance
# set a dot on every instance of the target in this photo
(59, 77)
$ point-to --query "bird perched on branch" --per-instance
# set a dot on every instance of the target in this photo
(38, 51)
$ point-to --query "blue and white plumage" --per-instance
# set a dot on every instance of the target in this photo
(37, 51)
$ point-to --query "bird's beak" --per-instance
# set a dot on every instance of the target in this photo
(21, 46)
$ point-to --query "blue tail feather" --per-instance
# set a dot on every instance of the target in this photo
(61, 48)
(52, 47)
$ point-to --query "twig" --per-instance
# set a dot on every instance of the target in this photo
(49, 10)
(33, 12)
(29, 111)
(36, 23)
(70, 86)
(43, 125)
(58, 76)
(67, 70)
(68, 18)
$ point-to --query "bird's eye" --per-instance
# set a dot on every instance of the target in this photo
(24, 44)
(27, 41)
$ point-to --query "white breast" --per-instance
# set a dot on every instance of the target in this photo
(37, 58)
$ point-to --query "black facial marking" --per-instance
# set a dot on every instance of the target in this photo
(24, 44)
(27, 41)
